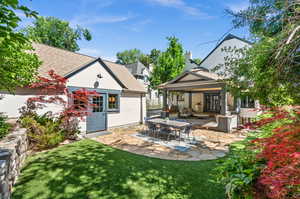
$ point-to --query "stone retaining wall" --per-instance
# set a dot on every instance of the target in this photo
(13, 151)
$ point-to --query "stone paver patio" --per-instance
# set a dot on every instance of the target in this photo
(211, 144)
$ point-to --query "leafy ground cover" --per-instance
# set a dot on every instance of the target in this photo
(266, 164)
(88, 169)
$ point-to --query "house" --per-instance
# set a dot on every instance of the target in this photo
(142, 73)
(198, 91)
(139, 71)
(190, 63)
(121, 97)
(217, 55)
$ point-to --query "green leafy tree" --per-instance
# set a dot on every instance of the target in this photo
(154, 55)
(129, 56)
(265, 17)
(170, 63)
(270, 70)
(145, 60)
(134, 55)
(56, 32)
(18, 65)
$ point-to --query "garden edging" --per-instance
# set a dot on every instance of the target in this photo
(13, 152)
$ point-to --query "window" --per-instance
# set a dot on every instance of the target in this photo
(98, 104)
(113, 102)
(247, 102)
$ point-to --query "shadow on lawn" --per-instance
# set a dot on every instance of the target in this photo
(89, 170)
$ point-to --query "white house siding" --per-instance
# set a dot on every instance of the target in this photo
(130, 110)
(218, 56)
(130, 103)
(88, 77)
(10, 105)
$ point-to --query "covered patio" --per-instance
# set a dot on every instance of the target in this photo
(200, 96)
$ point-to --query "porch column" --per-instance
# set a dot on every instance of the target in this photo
(223, 101)
(190, 100)
(165, 99)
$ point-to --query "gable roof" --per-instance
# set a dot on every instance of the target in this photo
(66, 63)
(125, 77)
(203, 75)
(199, 73)
(228, 37)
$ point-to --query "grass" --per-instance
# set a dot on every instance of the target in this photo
(90, 170)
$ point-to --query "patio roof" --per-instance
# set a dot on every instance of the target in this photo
(194, 80)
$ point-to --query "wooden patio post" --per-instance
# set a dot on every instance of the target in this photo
(165, 99)
(223, 101)
(190, 100)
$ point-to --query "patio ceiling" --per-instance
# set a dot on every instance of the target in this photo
(199, 85)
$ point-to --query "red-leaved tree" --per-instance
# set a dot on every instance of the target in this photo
(281, 152)
(53, 90)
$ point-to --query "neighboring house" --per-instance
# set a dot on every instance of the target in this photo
(201, 90)
(121, 97)
(142, 73)
(190, 63)
(217, 55)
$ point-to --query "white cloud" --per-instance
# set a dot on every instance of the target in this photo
(84, 20)
(181, 5)
(238, 6)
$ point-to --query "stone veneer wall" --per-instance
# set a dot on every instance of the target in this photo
(13, 151)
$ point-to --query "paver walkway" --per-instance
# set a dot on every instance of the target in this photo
(213, 144)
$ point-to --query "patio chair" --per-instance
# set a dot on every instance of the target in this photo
(186, 131)
(167, 131)
(152, 129)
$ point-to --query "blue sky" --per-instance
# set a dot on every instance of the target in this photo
(117, 25)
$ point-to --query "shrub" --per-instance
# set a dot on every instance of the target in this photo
(239, 170)
(242, 171)
(4, 127)
(43, 132)
(281, 176)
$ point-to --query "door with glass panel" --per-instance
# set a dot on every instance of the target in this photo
(96, 120)
(212, 102)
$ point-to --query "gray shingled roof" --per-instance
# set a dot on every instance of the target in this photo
(64, 62)
(136, 68)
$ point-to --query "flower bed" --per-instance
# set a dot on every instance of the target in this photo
(267, 163)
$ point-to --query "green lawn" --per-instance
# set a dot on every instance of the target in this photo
(90, 170)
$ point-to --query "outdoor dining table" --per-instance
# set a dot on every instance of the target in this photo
(176, 125)
(170, 123)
